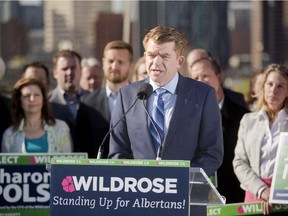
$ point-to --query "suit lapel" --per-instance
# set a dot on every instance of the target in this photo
(58, 97)
(183, 100)
(101, 103)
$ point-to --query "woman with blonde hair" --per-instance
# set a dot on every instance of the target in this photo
(34, 129)
(258, 136)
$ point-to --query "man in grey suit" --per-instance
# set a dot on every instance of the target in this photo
(192, 120)
(94, 112)
(65, 97)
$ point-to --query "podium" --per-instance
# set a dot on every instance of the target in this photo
(201, 189)
(128, 187)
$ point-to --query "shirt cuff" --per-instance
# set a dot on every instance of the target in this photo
(260, 192)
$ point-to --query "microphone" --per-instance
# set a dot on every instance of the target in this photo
(159, 150)
(143, 93)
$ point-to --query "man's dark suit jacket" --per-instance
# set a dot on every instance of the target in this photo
(5, 116)
(228, 184)
(194, 134)
(93, 122)
(236, 97)
(61, 111)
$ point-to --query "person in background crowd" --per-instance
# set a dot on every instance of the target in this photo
(34, 129)
(65, 98)
(195, 54)
(258, 136)
(39, 71)
(183, 101)
(92, 75)
(5, 106)
(254, 88)
(95, 108)
(139, 70)
(208, 71)
(5, 115)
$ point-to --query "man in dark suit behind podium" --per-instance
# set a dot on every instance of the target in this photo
(192, 129)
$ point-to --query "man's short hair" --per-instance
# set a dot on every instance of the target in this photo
(119, 44)
(37, 64)
(65, 53)
(215, 66)
(164, 34)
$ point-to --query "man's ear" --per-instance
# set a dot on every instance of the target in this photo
(220, 77)
(55, 73)
(180, 62)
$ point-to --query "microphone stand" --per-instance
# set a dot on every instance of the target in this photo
(101, 148)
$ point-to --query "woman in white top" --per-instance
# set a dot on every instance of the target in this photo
(34, 129)
(258, 136)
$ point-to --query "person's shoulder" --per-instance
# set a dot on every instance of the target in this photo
(91, 96)
(5, 100)
(131, 88)
(12, 129)
(53, 94)
(194, 84)
(234, 107)
(235, 96)
(60, 124)
(250, 116)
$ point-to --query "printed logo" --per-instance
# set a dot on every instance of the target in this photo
(68, 185)
(32, 160)
(240, 210)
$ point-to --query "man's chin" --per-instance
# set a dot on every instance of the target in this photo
(70, 87)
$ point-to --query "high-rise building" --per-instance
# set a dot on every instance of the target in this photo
(71, 24)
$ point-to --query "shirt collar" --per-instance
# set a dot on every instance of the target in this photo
(170, 86)
(79, 93)
(62, 92)
(220, 104)
(108, 90)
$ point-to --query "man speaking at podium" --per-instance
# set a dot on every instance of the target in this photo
(182, 117)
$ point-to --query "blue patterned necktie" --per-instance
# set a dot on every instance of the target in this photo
(158, 117)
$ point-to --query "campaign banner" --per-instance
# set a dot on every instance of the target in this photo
(119, 187)
(237, 209)
(25, 183)
(279, 186)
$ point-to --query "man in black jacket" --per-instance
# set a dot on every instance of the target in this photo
(207, 70)
(5, 115)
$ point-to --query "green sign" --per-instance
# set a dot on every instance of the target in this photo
(243, 209)
(25, 183)
(108, 162)
(279, 187)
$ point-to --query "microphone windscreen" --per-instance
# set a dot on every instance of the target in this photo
(144, 91)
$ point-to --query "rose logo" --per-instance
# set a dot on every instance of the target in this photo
(67, 184)
(32, 160)
(240, 210)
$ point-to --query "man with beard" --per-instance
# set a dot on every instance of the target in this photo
(65, 98)
(95, 109)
